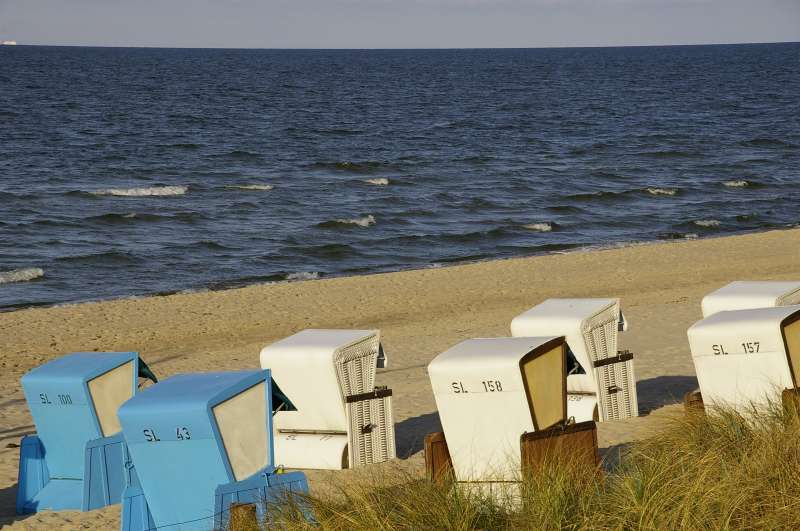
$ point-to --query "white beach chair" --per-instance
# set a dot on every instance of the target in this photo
(745, 358)
(342, 419)
(489, 393)
(747, 294)
(605, 378)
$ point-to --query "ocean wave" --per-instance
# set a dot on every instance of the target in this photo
(707, 223)
(455, 124)
(477, 159)
(303, 275)
(564, 209)
(494, 234)
(539, 227)
(599, 194)
(678, 236)
(183, 145)
(366, 166)
(623, 194)
(365, 221)
(191, 118)
(152, 191)
(338, 131)
(661, 191)
(113, 217)
(117, 218)
(253, 187)
(20, 275)
(595, 147)
(105, 258)
(738, 183)
(479, 204)
(208, 244)
(378, 181)
(239, 154)
(766, 142)
(668, 154)
(327, 251)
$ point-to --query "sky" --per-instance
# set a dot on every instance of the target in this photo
(397, 23)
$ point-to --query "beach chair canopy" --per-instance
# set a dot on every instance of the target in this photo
(590, 326)
(748, 294)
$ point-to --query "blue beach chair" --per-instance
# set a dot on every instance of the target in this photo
(77, 458)
(199, 443)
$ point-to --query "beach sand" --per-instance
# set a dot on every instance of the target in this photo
(420, 314)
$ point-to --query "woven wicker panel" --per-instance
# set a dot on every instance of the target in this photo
(355, 366)
(623, 403)
(376, 444)
(789, 299)
(600, 334)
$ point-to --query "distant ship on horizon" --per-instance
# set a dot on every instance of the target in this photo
(8, 43)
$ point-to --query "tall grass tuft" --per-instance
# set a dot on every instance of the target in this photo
(721, 471)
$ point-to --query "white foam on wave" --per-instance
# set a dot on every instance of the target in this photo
(152, 191)
(366, 221)
(20, 275)
(254, 187)
(539, 227)
(706, 223)
(740, 183)
(661, 191)
(378, 181)
(303, 275)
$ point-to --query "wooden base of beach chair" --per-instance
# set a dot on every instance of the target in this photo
(438, 465)
(575, 444)
(790, 398)
(693, 402)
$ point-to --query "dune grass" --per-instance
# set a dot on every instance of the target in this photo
(717, 471)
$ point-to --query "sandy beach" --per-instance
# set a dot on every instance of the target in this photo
(420, 313)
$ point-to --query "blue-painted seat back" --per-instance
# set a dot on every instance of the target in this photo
(73, 400)
(193, 432)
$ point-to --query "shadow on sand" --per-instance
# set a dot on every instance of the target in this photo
(8, 506)
(660, 391)
(410, 433)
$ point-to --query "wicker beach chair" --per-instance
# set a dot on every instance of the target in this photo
(491, 395)
(601, 384)
(342, 419)
(746, 358)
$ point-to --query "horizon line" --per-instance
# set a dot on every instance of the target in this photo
(443, 48)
